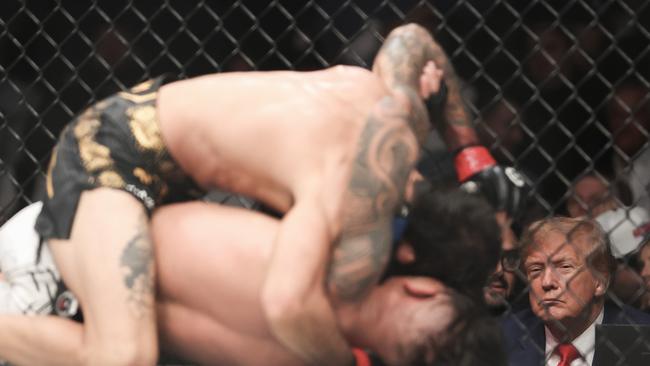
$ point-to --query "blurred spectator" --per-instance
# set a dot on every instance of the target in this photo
(569, 266)
(500, 286)
(237, 63)
(628, 120)
(595, 197)
(591, 195)
(626, 228)
(501, 131)
(590, 41)
(548, 62)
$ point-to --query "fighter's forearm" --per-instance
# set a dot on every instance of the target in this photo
(386, 155)
(358, 263)
(293, 297)
(399, 64)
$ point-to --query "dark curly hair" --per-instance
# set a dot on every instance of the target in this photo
(455, 238)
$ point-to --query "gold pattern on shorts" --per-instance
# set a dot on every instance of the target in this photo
(111, 179)
(138, 98)
(144, 177)
(145, 127)
(102, 104)
(142, 87)
(49, 186)
(94, 156)
(87, 125)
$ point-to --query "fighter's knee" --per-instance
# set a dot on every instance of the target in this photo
(122, 353)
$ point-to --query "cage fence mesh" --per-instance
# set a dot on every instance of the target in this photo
(557, 89)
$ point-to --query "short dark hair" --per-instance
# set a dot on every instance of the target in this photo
(455, 237)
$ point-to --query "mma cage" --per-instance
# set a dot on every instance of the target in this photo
(555, 88)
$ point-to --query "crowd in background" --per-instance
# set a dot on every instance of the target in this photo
(559, 89)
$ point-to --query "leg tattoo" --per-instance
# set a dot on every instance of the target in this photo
(137, 262)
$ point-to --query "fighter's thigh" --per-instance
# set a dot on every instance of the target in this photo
(199, 245)
(108, 263)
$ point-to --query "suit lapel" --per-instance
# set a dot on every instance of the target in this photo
(611, 315)
(531, 345)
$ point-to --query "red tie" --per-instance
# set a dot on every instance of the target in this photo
(567, 352)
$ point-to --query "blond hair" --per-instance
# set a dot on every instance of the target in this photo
(581, 229)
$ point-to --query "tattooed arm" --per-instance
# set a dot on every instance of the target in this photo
(303, 279)
(400, 64)
(293, 297)
(384, 162)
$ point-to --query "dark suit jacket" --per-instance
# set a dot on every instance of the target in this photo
(525, 339)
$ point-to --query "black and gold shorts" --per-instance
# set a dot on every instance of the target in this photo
(115, 143)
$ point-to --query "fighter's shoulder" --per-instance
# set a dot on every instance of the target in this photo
(21, 225)
(356, 74)
(351, 69)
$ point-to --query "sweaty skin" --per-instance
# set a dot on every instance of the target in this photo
(281, 135)
(221, 321)
(333, 149)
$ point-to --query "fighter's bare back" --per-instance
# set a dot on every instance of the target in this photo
(337, 136)
(269, 135)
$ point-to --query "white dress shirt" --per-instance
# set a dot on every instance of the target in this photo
(585, 343)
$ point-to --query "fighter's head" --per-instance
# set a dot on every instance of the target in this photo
(451, 236)
(419, 321)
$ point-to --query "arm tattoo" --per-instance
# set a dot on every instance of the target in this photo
(385, 157)
(402, 59)
(358, 262)
(137, 261)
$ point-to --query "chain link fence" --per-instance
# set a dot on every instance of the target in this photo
(558, 89)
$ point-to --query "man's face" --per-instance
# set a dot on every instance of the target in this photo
(561, 285)
(590, 196)
(628, 118)
(502, 281)
(413, 309)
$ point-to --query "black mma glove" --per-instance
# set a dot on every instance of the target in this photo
(478, 172)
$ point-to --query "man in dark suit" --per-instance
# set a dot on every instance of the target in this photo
(569, 265)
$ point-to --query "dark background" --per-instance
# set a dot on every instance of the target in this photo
(550, 65)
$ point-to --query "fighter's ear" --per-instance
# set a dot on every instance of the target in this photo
(421, 287)
(405, 253)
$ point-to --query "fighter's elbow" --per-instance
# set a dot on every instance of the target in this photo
(281, 306)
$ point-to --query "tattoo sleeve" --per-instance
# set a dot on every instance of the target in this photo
(136, 262)
(400, 62)
(385, 157)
